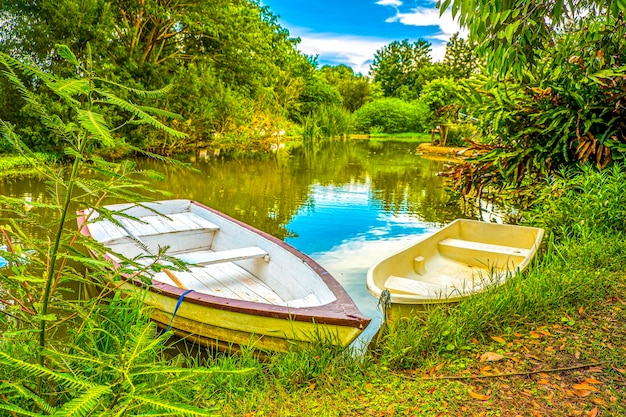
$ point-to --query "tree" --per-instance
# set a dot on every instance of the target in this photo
(442, 96)
(355, 90)
(235, 45)
(553, 97)
(397, 67)
(460, 58)
(563, 112)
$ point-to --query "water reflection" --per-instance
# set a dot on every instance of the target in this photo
(346, 204)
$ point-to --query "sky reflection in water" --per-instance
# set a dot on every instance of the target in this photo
(346, 231)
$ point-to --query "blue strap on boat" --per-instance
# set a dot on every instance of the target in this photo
(178, 303)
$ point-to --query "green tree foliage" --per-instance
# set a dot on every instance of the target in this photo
(460, 59)
(442, 97)
(554, 97)
(316, 93)
(566, 111)
(392, 115)
(212, 51)
(397, 67)
(355, 90)
(511, 35)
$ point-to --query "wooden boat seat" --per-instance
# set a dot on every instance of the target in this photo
(483, 247)
(231, 255)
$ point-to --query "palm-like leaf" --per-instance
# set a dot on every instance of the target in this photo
(84, 404)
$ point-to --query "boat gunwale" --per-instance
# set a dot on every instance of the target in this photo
(342, 311)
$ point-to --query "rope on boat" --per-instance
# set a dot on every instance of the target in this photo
(178, 303)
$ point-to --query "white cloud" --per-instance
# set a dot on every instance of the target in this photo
(355, 51)
(394, 3)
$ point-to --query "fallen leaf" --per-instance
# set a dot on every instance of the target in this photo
(584, 387)
(581, 392)
(481, 397)
(498, 339)
(581, 309)
(491, 357)
(593, 413)
(543, 382)
(599, 401)
(592, 380)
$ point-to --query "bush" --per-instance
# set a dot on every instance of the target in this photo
(392, 115)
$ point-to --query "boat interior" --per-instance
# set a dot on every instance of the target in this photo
(211, 250)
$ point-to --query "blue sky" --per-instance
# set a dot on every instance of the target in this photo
(351, 31)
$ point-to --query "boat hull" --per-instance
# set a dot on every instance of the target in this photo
(214, 327)
(462, 259)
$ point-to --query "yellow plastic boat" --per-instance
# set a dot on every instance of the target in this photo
(461, 259)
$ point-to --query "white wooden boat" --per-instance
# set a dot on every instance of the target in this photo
(243, 287)
(461, 259)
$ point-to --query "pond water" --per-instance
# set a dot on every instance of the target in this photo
(346, 204)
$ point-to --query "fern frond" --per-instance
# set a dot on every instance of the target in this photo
(84, 404)
(27, 95)
(155, 370)
(82, 358)
(17, 411)
(40, 371)
(95, 124)
(140, 342)
(144, 117)
(29, 395)
(139, 93)
(161, 112)
(72, 86)
(174, 408)
(66, 53)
